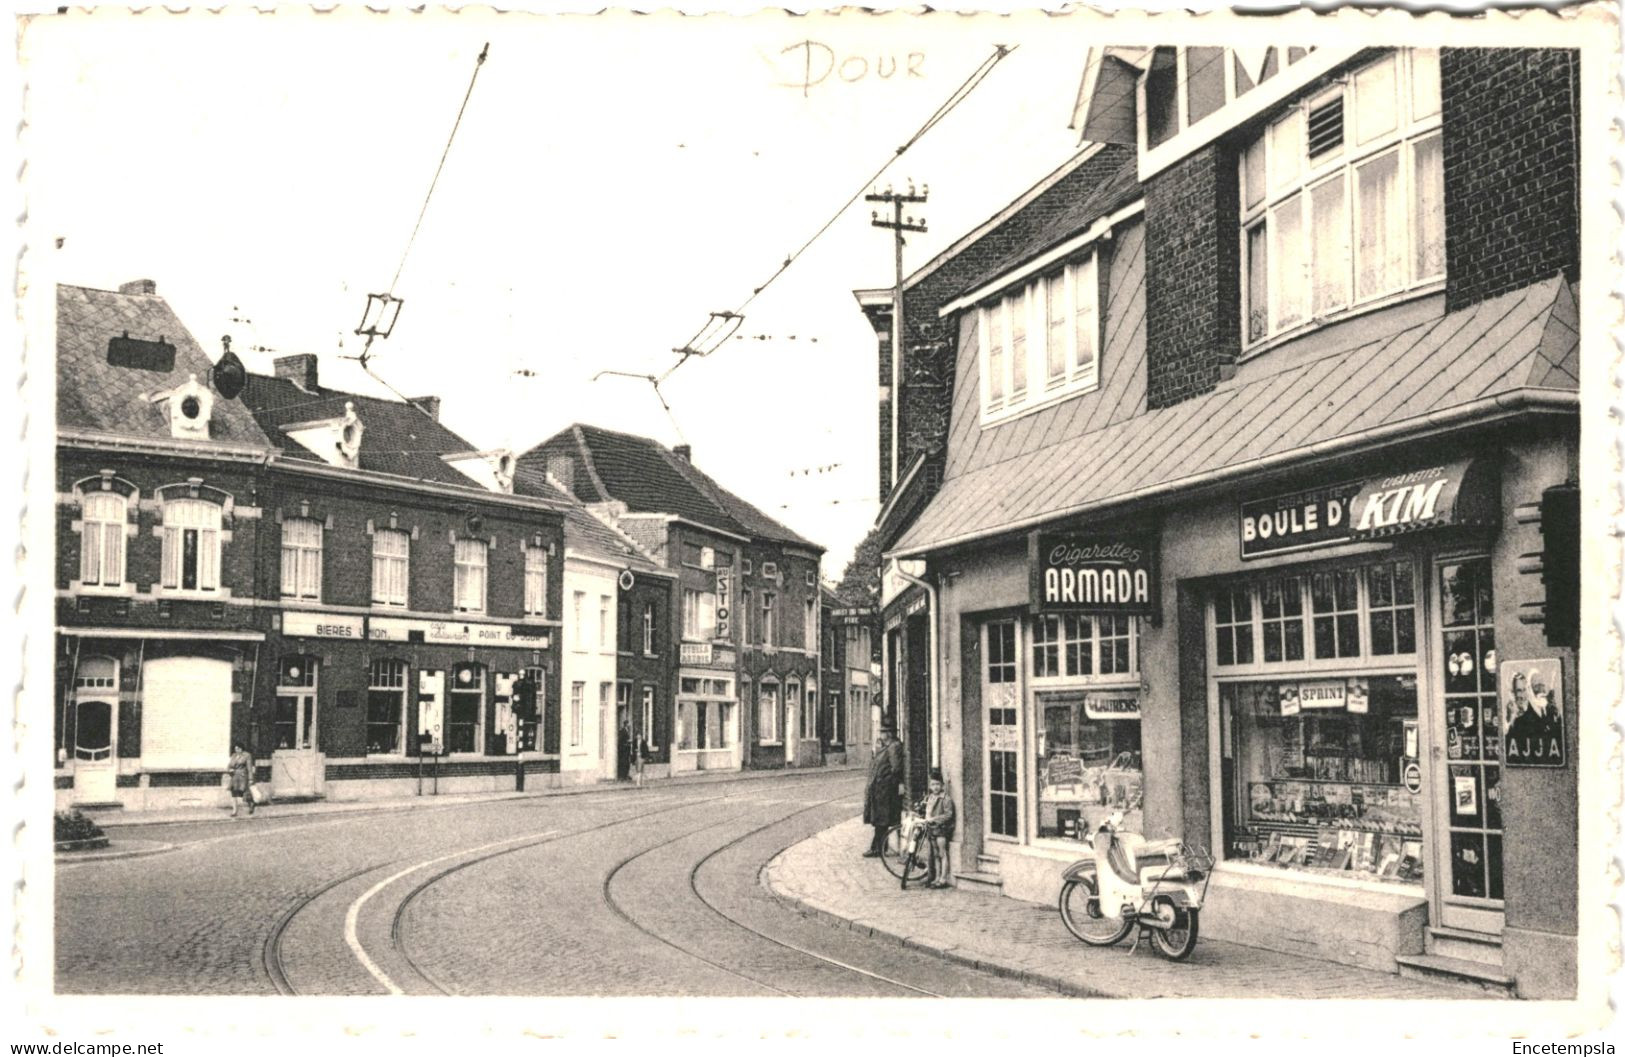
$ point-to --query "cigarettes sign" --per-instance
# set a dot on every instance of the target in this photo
(1299, 519)
(1104, 574)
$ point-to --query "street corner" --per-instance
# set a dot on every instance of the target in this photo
(116, 849)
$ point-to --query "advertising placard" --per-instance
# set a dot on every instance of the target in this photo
(724, 603)
(1094, 573)
(431, 708)
(323, 625)
(1297, 520)
(1532, 713)
(1111, 706)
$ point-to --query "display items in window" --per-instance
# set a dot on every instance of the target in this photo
(1317, 772)
(1089, 762)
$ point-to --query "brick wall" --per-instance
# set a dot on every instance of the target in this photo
(1193, 315)
(1511, 163)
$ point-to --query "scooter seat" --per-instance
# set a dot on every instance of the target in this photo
(1162, 872)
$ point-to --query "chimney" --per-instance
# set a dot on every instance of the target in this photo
(683, 451)
(562, 468)
(429, 405)
(139, 286)
(300, 370)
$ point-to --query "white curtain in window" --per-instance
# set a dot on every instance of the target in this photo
(199, 522)
(102, 539)
(1253, 183)
(536, 581)
(1329, 240)
(1428, 227)
(302, 558)
(390, 555)
(1380, 241)
(993, 335)
(1258, 301)
(1286, 227)
(1376, 100)
(470, 575)
(767, 713)
(1055, 337)
(1015, 307)
(1085, 294)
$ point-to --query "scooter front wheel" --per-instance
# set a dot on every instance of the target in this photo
(1178, 940)
(1086, 919)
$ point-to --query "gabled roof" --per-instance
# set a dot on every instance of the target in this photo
(649, 478)
(584, 533)
(399, 438)
(1515, 351)
(92, 394)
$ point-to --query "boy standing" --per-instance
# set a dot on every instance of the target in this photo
(938, 812)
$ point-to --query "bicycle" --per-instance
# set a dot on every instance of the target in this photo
(916, 863)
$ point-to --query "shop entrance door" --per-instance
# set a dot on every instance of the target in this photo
(95, 765)
(1001, 712)
(297, 767)
(1466, 751)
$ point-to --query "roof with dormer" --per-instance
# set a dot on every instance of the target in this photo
(584, 532)
(397, 438)
(95, 395)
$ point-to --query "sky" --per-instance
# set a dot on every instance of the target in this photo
(613, 181)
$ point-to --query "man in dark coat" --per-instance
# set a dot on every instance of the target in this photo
(883, 799)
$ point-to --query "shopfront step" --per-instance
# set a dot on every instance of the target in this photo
(1440, 967)
(987, 863)
(979, 880)
(1467, 946)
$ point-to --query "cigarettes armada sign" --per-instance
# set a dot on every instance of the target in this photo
(1102, 574)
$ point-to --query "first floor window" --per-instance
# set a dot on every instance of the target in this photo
(809, 626)
(191, 553)
(578, 692)
(606, 621)
(1040, 340)
(465, 701)
(301, 558)
(578, 604)
(386, 706)
(470, 575)
(1318, 781)
(767, 713)
(101, 539)
(699, 615)
(648, 629)
(1088, 761)
(535, 581)
(391, 556)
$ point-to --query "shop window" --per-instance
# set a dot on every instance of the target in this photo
(386, 706)
(101, 539)
(464, 704)
(1280, 604)
(391, 559)
(1391, 620)
(578, 692)
(469, 575)
(1088, 762)
(191, 551)
(1473, 736)
(767, 713)
(1343, 198)
(1082, 646)
(1335, 601)
(535, 582)
(1040, 342)
(302, 558)
(1316, 771)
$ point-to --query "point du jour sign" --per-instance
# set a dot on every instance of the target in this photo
(1104, 574)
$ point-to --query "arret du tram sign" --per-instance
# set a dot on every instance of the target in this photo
(1096, 573)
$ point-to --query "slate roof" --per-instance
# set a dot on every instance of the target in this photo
(397, 438)
(1276, 408)
(650, 478)
(583, 532)
(92, 394)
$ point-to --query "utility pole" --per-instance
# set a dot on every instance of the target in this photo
(898, 224)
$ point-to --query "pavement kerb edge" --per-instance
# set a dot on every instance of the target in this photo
(807, 910)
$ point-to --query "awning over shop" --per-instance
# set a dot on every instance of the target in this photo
(1509, 355)
(1458, 493)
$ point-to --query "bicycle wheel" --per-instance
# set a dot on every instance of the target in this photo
(1177, 942)
(917, 862)
(1084, 917)
(891, 852)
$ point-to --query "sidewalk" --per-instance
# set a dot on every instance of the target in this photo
(275, 809)
(825, 876)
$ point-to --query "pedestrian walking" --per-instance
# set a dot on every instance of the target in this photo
(938, 811)
(241, 769)
(883, 798)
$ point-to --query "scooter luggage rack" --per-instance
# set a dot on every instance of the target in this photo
(1186, 859)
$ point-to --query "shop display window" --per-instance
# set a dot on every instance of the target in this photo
(1320, 775)
(1359, 611)
(1089, 762)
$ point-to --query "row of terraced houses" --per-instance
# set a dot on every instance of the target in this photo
(373, 607)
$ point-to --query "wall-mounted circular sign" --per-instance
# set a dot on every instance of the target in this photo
(627, 580)
(1413, 776)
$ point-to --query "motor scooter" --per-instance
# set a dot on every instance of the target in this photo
(1157, 886)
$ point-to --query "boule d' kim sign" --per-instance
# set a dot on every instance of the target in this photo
(1097, 573)
(1296, 520)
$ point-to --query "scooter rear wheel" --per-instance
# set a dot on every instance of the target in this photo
(1086, 919)
(1176, 942)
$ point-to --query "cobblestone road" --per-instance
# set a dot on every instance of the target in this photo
(647, 892)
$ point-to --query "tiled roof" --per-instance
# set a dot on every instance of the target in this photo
(649, 478)
(583, 532)
(92, 394)
(1524, 340)
(397, 438)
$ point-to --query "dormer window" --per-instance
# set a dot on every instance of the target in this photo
(1343, 198)
(1039, 342)
(189, 407)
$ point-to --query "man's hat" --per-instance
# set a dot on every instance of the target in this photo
(888, 726)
